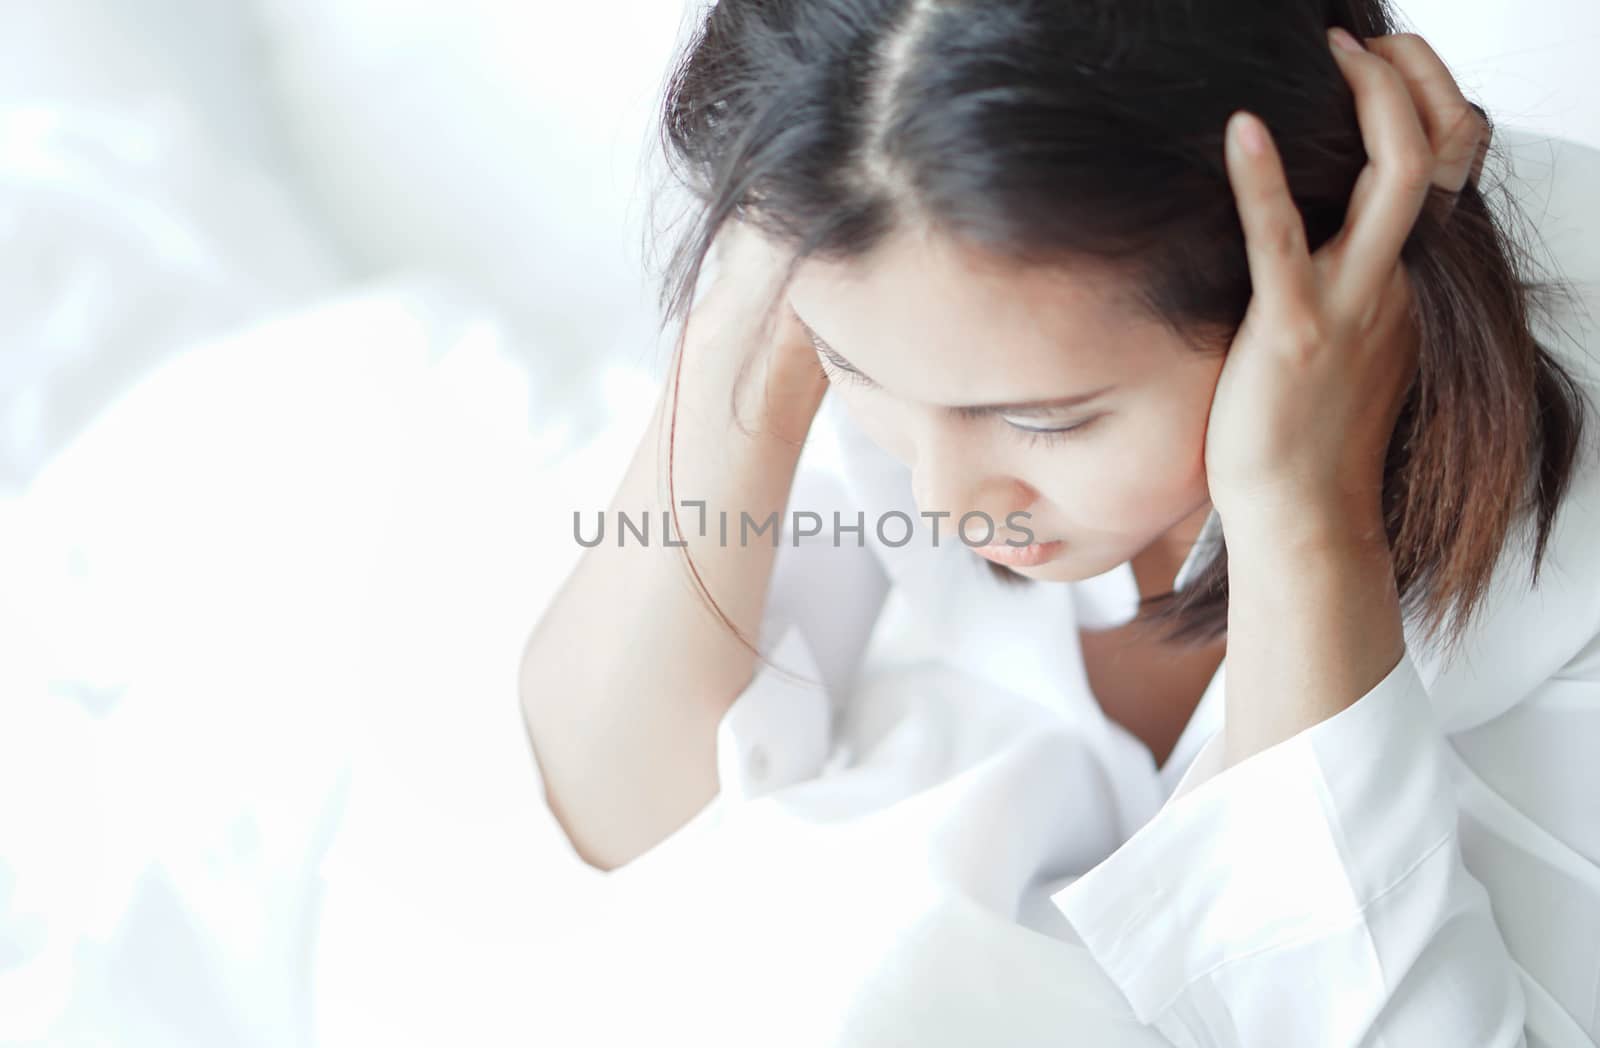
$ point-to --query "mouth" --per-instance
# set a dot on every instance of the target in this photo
(1031, 555)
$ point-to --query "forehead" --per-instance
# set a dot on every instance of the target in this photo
(935, 321)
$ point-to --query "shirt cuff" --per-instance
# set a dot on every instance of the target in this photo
(1287, 847)
(778, 731)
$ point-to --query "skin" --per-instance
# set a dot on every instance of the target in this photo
(1284, 437)
(1309, 397)
(1131, 484)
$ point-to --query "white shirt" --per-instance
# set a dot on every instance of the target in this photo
(949, 842)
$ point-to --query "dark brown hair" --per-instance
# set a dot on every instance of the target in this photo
(1091, 131)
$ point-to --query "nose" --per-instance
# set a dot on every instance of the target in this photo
(950, 475)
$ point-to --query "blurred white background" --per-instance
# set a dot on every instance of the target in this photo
(310, 308)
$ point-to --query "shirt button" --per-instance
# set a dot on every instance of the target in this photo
(757, 764)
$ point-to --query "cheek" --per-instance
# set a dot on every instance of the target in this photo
(1150, 470)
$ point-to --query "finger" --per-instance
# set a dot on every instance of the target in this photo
(1381, 217)
(1457, 130)
(1274, 230)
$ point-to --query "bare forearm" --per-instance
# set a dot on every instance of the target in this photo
(628, 671)
(1313, 624)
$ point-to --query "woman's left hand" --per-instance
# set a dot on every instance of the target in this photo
(1314, 380)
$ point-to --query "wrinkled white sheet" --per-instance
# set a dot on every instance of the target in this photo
(266, 777)
(269, 545)
(794, 923)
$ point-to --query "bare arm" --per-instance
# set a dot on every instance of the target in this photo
(1312, 627)
(628, 672)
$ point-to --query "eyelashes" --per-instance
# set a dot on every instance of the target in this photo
(837, 373)
(1052, 436)
(1034, 437)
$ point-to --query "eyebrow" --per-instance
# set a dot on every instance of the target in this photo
(1021, 407)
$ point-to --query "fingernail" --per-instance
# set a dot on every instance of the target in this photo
(1342, 38)
(1247, 132)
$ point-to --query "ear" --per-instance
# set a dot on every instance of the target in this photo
(1483, 144)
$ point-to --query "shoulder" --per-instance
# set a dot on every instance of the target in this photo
(1556, 221)
(1524, 634)
(1553, 180)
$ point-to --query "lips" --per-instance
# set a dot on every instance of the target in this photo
(1020, 556)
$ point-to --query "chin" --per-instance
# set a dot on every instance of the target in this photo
(1061, 569)
(1069, 566)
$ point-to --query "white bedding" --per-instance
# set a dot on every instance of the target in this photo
(273, 526)
(260, 741)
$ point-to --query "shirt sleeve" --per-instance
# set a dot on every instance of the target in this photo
(1329, 861)
(826, 594)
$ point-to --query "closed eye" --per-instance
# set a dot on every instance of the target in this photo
(833, 367)
(1034, 435)
(837, 369)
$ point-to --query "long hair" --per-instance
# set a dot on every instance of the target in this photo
(1047, 132)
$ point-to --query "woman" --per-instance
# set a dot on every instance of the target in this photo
(1209, 302)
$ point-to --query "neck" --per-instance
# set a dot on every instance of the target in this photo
(1156, 566)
